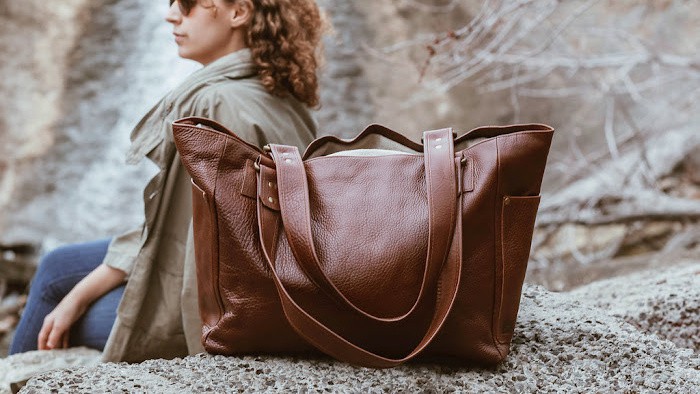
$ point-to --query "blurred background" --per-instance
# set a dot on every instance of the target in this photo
(618, 80)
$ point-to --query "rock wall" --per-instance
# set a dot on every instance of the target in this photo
(77, 187)
(40, 39)
(346, 103)
(402, 101)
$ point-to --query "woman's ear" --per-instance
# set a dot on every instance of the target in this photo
(241, 13)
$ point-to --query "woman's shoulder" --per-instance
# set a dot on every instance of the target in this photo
(231, 90)
(244, 104)
(217, 97)
(246, 96)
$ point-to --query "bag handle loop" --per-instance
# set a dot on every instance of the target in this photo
(373, 129)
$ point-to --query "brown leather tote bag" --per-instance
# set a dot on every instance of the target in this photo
(370, 256)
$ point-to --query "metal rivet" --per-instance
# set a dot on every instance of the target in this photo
(506, 201)
(270, 184)
(270, 199)
(438, 147)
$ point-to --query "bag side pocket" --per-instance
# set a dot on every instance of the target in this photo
(517, 224)
(206, 256)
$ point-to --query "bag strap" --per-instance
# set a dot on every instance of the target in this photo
(373, 129)
(440, 175)
(324, 338)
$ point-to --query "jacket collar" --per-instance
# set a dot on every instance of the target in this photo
(147, 133)
(235, 65)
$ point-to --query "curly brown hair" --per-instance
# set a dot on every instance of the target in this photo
(285, 40)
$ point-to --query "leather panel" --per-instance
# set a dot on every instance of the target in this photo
(205, 254)
(518, 221)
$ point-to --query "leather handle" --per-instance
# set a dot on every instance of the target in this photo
(294, 205)
(373, 129)
(329, 342)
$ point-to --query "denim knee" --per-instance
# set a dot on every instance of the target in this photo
(57, 273)
(52, 263)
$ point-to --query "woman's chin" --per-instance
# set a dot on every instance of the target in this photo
(184, 53)
(189, 56)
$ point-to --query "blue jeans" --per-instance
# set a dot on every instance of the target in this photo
(58, 272)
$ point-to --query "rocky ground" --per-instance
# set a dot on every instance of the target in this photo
(637, 333)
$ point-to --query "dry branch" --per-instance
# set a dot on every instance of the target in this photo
(637, 90)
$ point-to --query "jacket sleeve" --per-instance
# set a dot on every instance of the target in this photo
(123, 250)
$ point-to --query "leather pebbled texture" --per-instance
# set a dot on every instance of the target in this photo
(369, 229)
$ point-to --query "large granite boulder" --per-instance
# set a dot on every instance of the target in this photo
(613, 336)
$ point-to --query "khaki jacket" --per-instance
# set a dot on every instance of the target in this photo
(158, 316)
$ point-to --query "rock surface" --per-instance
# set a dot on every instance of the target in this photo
(656, 303)
(20, 367)
(564, 342)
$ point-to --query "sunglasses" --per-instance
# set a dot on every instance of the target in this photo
(185, 5)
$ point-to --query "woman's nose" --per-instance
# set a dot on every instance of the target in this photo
(173, 16)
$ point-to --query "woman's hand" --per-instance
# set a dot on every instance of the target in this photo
(55, 331)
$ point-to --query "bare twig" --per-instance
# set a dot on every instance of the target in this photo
(640, 93)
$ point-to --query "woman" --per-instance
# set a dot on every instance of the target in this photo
(258, 79)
